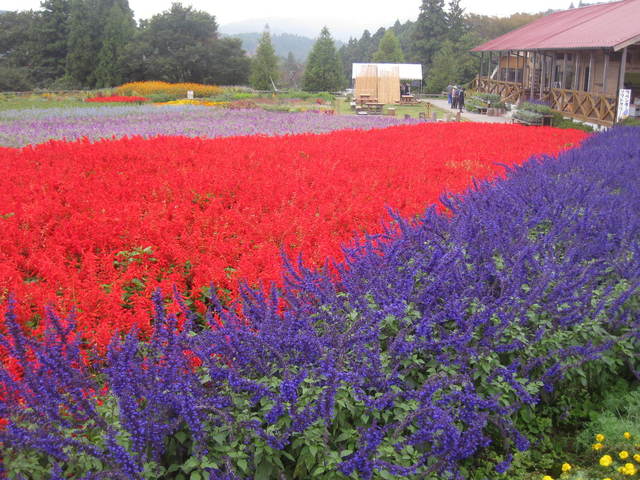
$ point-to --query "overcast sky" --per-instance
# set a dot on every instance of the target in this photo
(360, 13)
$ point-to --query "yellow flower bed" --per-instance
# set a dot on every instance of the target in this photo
(608, 464)
(181, 89)
(186, 101)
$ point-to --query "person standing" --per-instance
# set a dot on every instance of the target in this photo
(461, 99)
(454, 97)
(449, 93)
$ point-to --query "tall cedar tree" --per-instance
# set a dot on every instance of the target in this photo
(82, 43)
(455, 21)
(348, 53)
(324, 70)
(453, 63)
(51, 35)
(389, 50)
(17, 50)
(264, 65)
(430, 31)
(119, 29)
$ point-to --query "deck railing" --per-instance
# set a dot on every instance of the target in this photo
(584, 106)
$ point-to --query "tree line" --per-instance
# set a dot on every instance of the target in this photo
(96, 43)
(71, 44)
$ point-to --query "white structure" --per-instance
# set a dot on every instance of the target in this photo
(407, 71)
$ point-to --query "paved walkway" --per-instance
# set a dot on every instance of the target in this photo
(473, 117)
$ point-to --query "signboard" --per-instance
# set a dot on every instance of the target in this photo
(190, 94)
(624, 104)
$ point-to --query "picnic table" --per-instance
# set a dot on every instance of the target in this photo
(364, 98)
(374, 107)
(407, 99)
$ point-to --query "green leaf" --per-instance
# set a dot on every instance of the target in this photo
(195, 476)
(191, 464)
(264, 471)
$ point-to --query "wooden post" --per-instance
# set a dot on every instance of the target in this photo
(481, 63)
(590, 81)
(490, 62)
(576, 66)
(532, 77)
(564, 71)
(524, 65)
(542, 72)
(517, 69)
(605, 72)
(623, 68)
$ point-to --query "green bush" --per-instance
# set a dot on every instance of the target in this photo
(631, 121)
(528, 116)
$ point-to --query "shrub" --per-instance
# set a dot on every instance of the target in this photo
(528, 116)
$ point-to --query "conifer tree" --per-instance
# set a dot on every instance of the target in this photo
(51, 35)
(324, 70)
(389, 50)
(455, 21)
(264, 65)
(429, 32)
(119, 28)
(81, 53)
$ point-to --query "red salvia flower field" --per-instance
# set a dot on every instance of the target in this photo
(117, 99)
(98, 226)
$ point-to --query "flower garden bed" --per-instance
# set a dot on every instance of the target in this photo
(446, 343)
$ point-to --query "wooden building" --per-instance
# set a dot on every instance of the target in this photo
(576, 60)
(381, 81)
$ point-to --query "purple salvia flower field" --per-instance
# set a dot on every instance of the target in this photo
(19, 128)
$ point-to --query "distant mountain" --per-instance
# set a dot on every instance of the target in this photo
(283, 43)
(305, 27)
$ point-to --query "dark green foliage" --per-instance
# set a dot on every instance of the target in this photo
(453, 64)
(389, 50)
(14, 79)
(82, 44)
(182, 45)
(291, 72)
(51, 36)
(17, 50)
(324, 70)
(264, 65)
(119, 29)
(456, 21)
(430, 31)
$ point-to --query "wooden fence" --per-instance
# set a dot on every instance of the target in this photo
(589, 107)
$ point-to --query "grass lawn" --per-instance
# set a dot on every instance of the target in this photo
(343, 107)
(22, 102)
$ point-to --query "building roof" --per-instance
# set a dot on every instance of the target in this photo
(408, 71)
(610, 25)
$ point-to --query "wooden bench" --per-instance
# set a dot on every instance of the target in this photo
(374, 108)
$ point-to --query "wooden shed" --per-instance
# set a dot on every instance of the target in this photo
(381, 81)
(584, 62)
